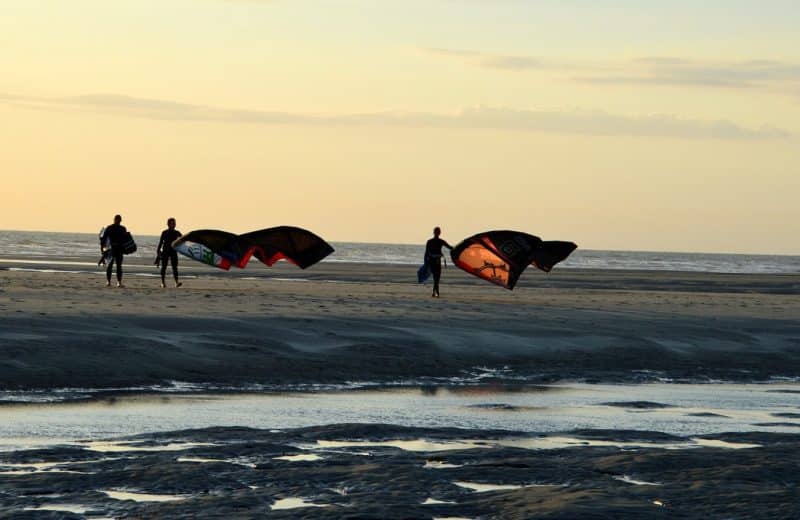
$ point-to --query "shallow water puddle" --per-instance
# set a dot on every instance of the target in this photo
(31, 472)
(558, 442)
(61, 508)
(294, 503)
(435, 464)
(629, 480)
(481, 488)
(698, 410)
(714, 443)
(531, 443)
(433, 501)
(46, 467)
(201, 460)
(14, 443)
(303, 457)
(142, 497)
(421, 445)
(122, 446)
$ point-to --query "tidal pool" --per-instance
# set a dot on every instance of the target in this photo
(691, 410)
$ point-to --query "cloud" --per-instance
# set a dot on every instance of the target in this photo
(742, 74)
(480, 117)
(648, 70)
(683, 81)
(513, 62)
(493, 61)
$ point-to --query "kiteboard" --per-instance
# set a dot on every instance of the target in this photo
(129, 245)
(105, 247)
(423, 273)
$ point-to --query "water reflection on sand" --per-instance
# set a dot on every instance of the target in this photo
(141, 497)
(679, 409)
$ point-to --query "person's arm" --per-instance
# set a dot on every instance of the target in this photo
(448, 246)
(160, 243)
(158, 249)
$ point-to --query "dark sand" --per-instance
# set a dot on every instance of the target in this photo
(242, 478)
(345, 322)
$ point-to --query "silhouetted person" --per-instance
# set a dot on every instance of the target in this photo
(115, 234)
(433, 257)
(165, 252)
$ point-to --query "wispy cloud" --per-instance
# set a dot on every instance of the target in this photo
(741, 74)
(647, 70)
(496, 61)
(483, 117)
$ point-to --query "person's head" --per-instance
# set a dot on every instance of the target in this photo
(171, 223)
(117, 219)
(437, 231)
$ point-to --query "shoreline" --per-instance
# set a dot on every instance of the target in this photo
(337, 323)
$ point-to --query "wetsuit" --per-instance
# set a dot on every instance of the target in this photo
(166, 252)
(116, 235)
(433, 257)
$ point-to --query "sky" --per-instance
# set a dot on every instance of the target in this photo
(616, 124)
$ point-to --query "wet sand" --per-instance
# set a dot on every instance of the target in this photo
(356, 322)
(387, 472)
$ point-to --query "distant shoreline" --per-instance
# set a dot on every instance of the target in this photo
(91, 237)
(41, 246)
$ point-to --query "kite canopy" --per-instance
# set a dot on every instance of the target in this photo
(501, 256)
(299, 246)
(222, 249)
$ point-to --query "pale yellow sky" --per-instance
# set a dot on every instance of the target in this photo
(656, 127)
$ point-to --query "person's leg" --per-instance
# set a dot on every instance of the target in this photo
(108, 271)
(163, 270)
(118, 260)
(173, 260)
(436, 271)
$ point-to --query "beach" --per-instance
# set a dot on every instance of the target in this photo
(358, 322)
(327, 393)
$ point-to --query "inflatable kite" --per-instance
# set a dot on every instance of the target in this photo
(501, 256)
(222, 249)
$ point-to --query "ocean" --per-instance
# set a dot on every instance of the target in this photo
(41, 246)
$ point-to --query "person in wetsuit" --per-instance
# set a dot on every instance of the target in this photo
(115, 234)
(165, 252)
(433, 257)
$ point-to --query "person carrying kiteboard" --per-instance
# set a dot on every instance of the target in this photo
(121, 243)
(434, 257)
(165, 253)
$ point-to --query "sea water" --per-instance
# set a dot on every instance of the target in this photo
(41, 246)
